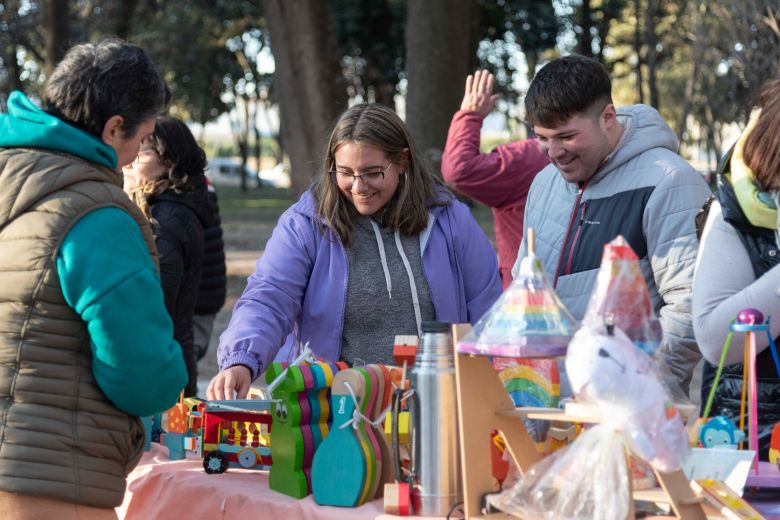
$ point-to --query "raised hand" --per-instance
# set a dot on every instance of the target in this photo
(478, 96)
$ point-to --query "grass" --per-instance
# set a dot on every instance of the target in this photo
(256, 203)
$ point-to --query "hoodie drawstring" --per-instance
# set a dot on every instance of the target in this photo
(407, 266)
(412, 284)
(381, 246)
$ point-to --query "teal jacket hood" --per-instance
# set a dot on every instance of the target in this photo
(26, 125)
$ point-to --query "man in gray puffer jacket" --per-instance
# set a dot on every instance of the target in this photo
(613, 172)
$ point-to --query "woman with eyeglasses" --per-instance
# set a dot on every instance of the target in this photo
(376, 246)
(167, 182)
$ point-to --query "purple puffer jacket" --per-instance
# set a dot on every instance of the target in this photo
(299, 287)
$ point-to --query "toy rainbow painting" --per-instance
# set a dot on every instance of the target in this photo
(528, 320)
(531, 382)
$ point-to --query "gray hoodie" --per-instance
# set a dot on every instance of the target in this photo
(645, 192)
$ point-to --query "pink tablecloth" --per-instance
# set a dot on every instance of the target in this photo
(159, 488)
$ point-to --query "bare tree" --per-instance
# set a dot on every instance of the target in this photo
(585, 37)
(750, 26)
(651, 53)
(638, 44)
(308, 78)
(697, 38)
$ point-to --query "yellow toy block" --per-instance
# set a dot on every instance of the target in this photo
(403, 428)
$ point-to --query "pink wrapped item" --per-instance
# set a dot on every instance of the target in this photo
(621, 294)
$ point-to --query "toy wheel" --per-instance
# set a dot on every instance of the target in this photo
(215, 462)
(247, 458)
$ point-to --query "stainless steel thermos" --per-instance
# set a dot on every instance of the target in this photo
(436, 485)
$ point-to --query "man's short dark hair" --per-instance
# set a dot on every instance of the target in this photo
(565, 87)
(92, 83)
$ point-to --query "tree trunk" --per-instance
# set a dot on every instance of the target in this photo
(125, 13)
(532, 61)
(56, 33)
(311, 88)
(476, 22)
(651, 53)
(11, 64)
(258, 149)
(640, 87)
(712, 132)
(585, 40)
(437, 57)
(243, 144)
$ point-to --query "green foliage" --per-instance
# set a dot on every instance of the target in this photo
(195, 54)
(370, 37)
(531, 25)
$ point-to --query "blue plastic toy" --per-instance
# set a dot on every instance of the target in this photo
(720, 432)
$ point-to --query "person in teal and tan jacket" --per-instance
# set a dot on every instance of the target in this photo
(86, 345)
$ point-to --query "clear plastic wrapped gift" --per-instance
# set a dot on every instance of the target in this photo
(528, 320)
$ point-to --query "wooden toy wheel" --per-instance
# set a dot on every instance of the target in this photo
(215, 462)
(247, 458)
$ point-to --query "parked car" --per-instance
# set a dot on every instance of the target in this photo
(277, 176)
(224, 171)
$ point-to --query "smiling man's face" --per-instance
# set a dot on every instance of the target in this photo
(579, 146)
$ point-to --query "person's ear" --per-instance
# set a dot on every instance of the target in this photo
(403, 160)
(608, 116)
(112, 130)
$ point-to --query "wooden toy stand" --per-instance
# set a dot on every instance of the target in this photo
(485, 406)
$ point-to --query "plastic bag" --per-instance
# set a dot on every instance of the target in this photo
(586, 480)
(621, 295)
(528, 320)
(607, 371)
(589, 478)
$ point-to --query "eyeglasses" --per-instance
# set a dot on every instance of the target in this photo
(347, 179)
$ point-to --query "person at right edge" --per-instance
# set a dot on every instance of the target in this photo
(738, 267)
(613, 172)
(86, 345)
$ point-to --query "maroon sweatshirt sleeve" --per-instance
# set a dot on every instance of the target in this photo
(499, 178)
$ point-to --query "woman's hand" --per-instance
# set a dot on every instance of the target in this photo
(235, 379)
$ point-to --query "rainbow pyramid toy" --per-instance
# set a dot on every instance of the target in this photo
(528, 320)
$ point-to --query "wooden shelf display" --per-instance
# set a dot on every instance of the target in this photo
(485, 406)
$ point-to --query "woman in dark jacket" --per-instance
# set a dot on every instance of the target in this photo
(167, 182)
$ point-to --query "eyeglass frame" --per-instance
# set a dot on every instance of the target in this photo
(146, 152)
(334, 175)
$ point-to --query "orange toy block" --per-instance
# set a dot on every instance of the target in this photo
(405, 350)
